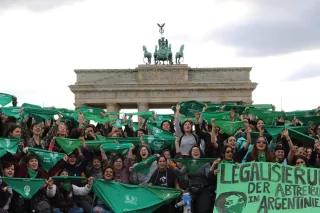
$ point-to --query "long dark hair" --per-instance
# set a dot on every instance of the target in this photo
(254, 153)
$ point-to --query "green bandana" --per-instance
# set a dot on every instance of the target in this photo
(67, 186)
(32, 173)
(262, 157)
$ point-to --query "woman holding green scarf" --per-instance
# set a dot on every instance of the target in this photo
(39, 202)
(260, 152)
(62, 194)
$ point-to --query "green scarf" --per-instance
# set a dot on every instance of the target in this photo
(32, 173)
(262, 157)
(67, 186)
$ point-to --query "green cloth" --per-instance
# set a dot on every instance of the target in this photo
(237, 108)
(5, 99)
(68, 145)
(161, 118)
(26, 187)
(274, 131)
(93, 110)
(212, 107)
(300, 113)
(123, 198)
(216, 115)
(11, 111)
(145, 115)
(9, 145)
(262, 157)
(268, 117)
(120, 149)
(309, 120)
(188, 108)
(27, 105)
(39, 113)
(305, 139)
(159, 133)
(157, 144)
(46, 158)
(192, 165)
(229, 127)
(144, 166)
(32, 173)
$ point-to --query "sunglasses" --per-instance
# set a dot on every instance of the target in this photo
(229, 151)
(262, 142)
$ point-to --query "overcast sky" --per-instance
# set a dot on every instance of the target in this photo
(43, 41)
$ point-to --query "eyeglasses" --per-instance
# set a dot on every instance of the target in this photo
(261, 142)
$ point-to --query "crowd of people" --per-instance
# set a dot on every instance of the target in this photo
(194, 139)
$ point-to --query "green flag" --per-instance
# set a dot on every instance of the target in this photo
(192, 165)
(68, 145)
(144, 166)
(26, 187)
(5, 99)
(46, 158)
(121, 149)
(123, 198)
(9, 145)
(11, 111)
(229, 127)
(157, 144)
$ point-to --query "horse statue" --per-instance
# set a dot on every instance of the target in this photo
(179, 54)
(164, 53)
(146, 54)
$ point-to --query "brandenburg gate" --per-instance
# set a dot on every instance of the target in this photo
(162, 84)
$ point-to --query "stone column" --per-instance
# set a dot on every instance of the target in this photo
(143, 107)
(113, 107)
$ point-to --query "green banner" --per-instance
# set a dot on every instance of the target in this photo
(26, 187)
(68, 145)
(192, 165)
(9, 145)
(46, 158)
(123, 198)
(119, 148)
(267, 187)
